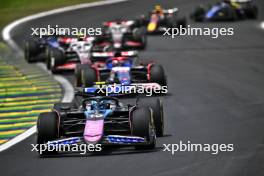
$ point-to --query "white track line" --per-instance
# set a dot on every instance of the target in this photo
(68, 89)
(66, 85)
(18, 138)
(6, 33)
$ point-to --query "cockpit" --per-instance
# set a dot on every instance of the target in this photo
(118, 62)
(94, 104)
(81, 46)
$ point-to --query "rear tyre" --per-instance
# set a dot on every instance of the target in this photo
(158, 116)
(88, 76)
(47, 129)
(252, 12)
(56, 59)
(139, 35)
(47, 58)
(30, 50)
(233, 14)
(198, 14)
(142, 126)
(78, 74)
(157, 75)
(181, 22)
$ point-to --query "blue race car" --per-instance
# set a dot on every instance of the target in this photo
(38, 49)
(101, 120)
(227, 10)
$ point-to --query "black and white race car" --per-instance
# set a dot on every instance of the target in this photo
(122, 35)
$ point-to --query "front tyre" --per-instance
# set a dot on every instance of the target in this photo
(47, 129)
(89, 76)
(142, 126)
(30, 51)
(56, 59)
(157, 75)
(158, 116)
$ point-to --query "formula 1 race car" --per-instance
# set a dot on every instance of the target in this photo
(101, 120)
(37, 49)
(159, 18)
(121, 68)
(122, 35)
(227, 10)
(78, 51)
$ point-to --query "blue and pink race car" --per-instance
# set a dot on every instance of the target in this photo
(101, 120)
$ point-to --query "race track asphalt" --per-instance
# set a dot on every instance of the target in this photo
(216, 96)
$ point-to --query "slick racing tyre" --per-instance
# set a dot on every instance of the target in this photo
(56, 58)
(142, 126)
(231, 14)
(139, 34)
(78, 74)
(47, 130)
(158, 116)
(181, 22)
(88, 76)
(157, 75)
(47, 57)
(31, 50)
(252, 12)
(198, 14)
(62, 106)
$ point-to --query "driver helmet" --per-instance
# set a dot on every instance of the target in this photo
(115, 63)
(93, 105)
(158, 9)
(80, 36)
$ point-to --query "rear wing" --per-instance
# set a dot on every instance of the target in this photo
(123, 22)
(173, 10)
(240, 1)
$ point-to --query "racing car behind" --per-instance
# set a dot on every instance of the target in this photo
(123, 35)
(160, 18)
(121, 68)
(37, 49)
(79, 51)
(226, 10)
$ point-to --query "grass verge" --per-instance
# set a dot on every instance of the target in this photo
(14, 9)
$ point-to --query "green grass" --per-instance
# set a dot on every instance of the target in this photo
(14, 9)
